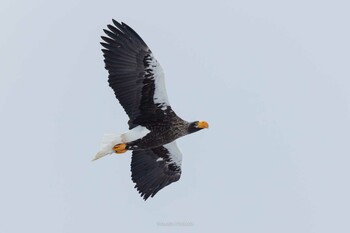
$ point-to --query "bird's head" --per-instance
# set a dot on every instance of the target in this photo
(197, 125)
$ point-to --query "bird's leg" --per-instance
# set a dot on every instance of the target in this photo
(120, 148)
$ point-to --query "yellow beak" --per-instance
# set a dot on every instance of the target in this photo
(202, 125)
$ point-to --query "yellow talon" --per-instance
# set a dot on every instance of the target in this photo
(120, 148)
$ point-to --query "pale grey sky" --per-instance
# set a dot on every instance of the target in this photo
(271, 78)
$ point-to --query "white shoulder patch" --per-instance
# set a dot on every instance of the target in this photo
(160, 94)
(175, 153)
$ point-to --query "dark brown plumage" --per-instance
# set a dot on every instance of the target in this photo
(138, 83)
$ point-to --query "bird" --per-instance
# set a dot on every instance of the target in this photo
(137, 80)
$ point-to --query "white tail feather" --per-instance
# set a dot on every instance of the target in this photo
(107, 144)
(110, 140)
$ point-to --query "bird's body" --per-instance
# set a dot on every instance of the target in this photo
(160, 134)
(138, 83)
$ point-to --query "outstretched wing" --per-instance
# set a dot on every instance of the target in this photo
(134, 74)
(153, 169)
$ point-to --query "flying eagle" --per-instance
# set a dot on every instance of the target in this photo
(137, 80)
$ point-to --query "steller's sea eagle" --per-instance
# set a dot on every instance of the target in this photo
(137, 80)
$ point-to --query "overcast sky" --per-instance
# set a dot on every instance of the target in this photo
(272, 79)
